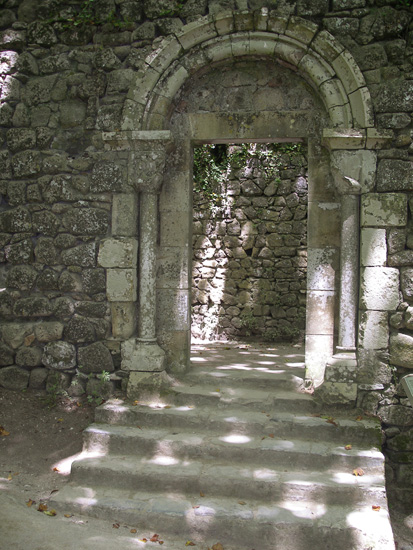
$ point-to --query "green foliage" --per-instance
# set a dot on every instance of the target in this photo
(248, 321)
(53, 391)
(213, 164)
(282, 334)
(173, 11)
(95, 397)
(87, 15)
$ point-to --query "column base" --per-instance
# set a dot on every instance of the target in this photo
(142, 356)
(148, 386)
(340, 382)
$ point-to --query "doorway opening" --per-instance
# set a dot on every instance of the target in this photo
(249, 247)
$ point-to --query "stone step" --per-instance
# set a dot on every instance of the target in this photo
(177, 468)
(277, 378)
(344, 430)
(155, 446)
(237, 525)
(237, 396)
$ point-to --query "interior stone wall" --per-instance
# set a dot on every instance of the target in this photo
(249, 250)
(68, 211)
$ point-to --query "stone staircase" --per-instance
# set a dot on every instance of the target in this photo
(236, 453)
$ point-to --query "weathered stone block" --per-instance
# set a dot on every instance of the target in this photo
(86, 221)
(41, 33)
(394, 175)
(37, 380)
(19, 253)
(106, 176)
(83, 255)
(14, 378)
(357, 165)
(374, 330)
(379, 288)
(72, 113)
(26, 163)
(383, 210)
(6, 355)
(120, 253)
(29, 357)
(121, 285)
(94, 280)
(59, 356)
(140, 356)
(14, 334)
(48, 331)
(373, 247)
(320, 317)
(95, 358)
(79, 329)
(406, 281)
(19, 139)
(45, 222)
(396, 415)
(37, 306)
(401, 350)
(123, 319)
(124, 215)
(16, 220)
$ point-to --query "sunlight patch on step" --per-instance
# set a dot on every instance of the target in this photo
(164, 460)
(236, 439)
(64, 466)
(309, 510)
(88, 499)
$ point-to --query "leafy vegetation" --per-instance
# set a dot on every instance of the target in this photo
(88, 15)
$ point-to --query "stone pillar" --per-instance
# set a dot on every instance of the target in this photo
(142, 357)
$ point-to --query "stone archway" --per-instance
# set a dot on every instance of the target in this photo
(341, 146)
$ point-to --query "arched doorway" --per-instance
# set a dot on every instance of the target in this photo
(167, 113)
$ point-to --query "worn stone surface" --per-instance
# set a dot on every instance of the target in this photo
(380, 288)
(14, 378)
(401, 350)
(59, 355)
(95, 358)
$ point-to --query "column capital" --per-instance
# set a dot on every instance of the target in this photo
(354, 172)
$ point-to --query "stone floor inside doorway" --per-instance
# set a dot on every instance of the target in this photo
(32, 467)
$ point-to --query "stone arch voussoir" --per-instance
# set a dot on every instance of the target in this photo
(313, 53)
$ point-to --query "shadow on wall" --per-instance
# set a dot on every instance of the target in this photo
(249, 241)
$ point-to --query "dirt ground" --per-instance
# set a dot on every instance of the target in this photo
(35, 461)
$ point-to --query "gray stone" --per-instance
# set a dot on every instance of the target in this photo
(41, 33)
(45, 251)
(19, 253)
(38, 90)
(106, 176)
(38, 377)
(63, 308)
(59, 355)
(57, 381)
(86, 221)
(16, 220)
(29, 357)
(36, 306)
(94, 280)
(79, 330)
(83, 255)
(91, 309)
(406, 281)
(19, 139)
(48, 331)
(26, 163)
(77, 387)
(383, 210)
(46, 223)
(15, 334)
(394, 120)
(396, 415)
(394, 175)
(72, 113)
(379, 288)
(95, 358)
(394, 96)
(401, 350)
(14, 378)
(374, 330)
(69, 282)
(6, 355)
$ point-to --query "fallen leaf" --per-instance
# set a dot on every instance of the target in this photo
(271, 435)
(218, 546)
(376, 508)
(42, 507)
(154, 538)
(56, 470)
(331, 421)
(242, 502)
(190, 543)
(135, 403)
(358, 472)
(167, 407)
(268, 415)
(348, 447)
(9, 477)
(139, 427)
(3, 432)
(263, 438)
(60, 419)
(30, 502)
(359, 418)
(201, 494)
(133, 531)
(79, 404)
(143, 540)
(218, 390)
(50, 512)
(160, 541)
(116, 525)
(68, 515)
(196, 506)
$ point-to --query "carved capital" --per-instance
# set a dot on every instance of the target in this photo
(146, 168)
(354, 172)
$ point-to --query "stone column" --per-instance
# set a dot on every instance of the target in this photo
(142, 357)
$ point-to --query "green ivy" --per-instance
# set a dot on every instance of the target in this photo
(87, 15)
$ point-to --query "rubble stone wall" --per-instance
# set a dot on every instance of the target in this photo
(68, 274)
(250, 257)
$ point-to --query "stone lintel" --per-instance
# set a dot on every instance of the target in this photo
(134, 139)
(351, 138)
